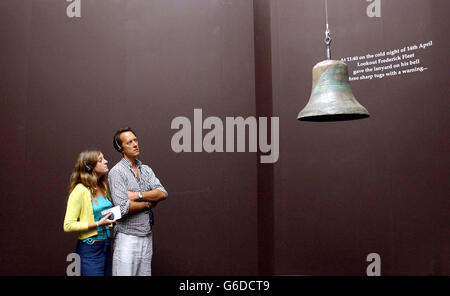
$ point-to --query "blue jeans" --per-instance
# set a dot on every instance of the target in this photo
(95, 258)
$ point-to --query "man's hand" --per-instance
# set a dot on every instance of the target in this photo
(137, 205)
(133, 196)
(152, 196)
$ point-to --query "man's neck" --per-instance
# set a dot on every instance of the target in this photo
(131, 160)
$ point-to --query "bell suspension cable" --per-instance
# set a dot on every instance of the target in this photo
(327, 31)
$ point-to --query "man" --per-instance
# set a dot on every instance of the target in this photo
(135, 188)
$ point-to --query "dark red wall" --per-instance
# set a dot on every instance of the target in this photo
(68, 84)
(347, 189)
(338, 192)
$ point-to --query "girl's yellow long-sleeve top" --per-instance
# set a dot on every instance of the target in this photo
(79, 212)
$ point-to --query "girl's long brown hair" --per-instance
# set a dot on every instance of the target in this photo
(81, 175)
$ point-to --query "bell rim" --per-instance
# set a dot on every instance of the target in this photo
(333, 117)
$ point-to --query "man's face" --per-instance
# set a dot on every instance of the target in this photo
(129, 144)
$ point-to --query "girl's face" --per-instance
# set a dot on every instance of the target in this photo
(101, 167)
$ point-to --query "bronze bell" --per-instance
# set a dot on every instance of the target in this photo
(331, 98)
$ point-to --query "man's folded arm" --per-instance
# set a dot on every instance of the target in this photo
(155, 195)
(158, 191)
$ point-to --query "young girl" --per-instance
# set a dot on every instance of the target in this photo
(88, 197)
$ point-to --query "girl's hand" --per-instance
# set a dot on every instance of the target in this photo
(105, 220)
